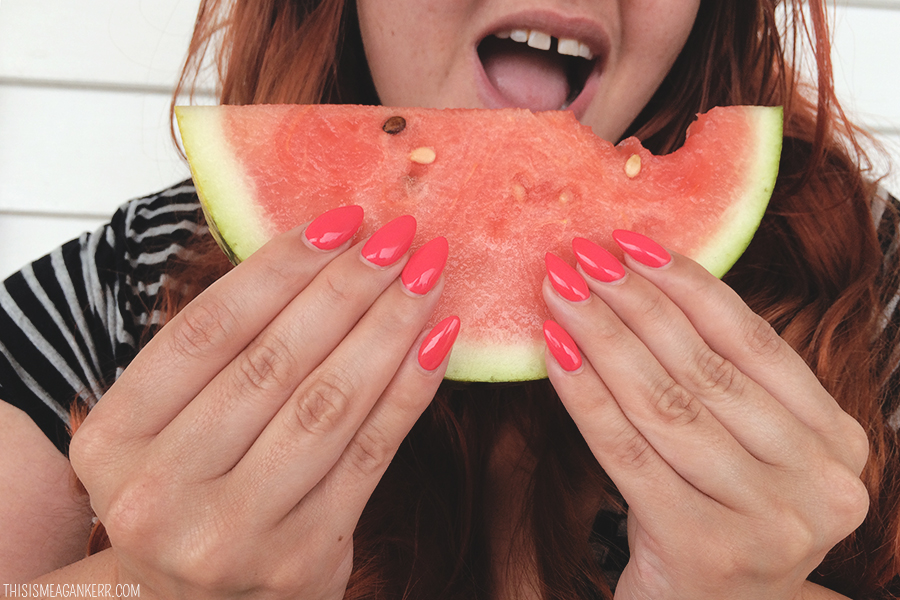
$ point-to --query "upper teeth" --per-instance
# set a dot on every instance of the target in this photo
(543, 41)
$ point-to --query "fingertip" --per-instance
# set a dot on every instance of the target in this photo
(333, 228)
(436, 346)
(425, 266)
(642, 249)
(391, 242)
(562, 347)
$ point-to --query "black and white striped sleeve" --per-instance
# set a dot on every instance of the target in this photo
(70, 322)
(886, 212)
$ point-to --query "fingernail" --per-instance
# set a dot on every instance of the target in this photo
(425, 266)
(331, 229)
(562, 346)
(389, 243)
(438, 342)
(642, 249)
(597, 261)
(566, 280)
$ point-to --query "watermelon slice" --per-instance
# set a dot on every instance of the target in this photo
(503, 186)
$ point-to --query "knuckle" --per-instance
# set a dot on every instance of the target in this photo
(733, 564)
(264, 365)
(84, 449)
(368, 452)
(674, 403)
(319, 406)
(716, 375)
(202, 327)
(848, 500)
(634, 451)
(90, 450)
(760, 338)
(133, 514)
(607, 331)
(654, 309)
(796, 537)
(854, 440)
(276, 267)
(206, 563)
(335, 289)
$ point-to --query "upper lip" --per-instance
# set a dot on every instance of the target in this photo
(583, 29)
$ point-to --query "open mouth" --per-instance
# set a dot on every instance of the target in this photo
(532, 69)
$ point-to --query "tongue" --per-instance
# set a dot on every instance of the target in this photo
(528, 78)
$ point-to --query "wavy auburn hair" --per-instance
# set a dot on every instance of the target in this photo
(814, 271)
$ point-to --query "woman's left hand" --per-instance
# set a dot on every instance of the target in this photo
(740, 471)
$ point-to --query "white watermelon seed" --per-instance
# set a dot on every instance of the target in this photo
(423, 155)
(633, 166)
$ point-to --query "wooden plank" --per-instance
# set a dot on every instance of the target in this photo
(866, 47)
(886, 4)
(24, 238)
(136, 44)
(82, 152)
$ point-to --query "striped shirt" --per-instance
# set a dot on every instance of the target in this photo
(70, 321)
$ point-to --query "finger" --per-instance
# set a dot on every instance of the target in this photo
(310, 432)
(739, 335)
(674, 422)
(243, 398)
(760, 423)
(187, 353)
(346, 489)
(646, 481)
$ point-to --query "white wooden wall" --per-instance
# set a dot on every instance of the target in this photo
(84, 92)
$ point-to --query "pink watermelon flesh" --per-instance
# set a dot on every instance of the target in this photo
(504, 187)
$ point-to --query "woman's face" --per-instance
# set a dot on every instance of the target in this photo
(464, 53)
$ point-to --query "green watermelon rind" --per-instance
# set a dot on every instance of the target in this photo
(744, 215)
(225, 194)
(217, 175)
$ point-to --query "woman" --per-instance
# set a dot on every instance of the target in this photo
(740, 440)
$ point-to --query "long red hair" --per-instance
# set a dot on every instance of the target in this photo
(814, 270)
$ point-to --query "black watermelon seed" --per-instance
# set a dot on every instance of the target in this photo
(394, 125)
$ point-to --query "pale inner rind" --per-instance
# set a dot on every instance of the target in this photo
(496, 363)
(217, 174)
(743, 216)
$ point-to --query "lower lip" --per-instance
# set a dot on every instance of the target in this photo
(492, 98)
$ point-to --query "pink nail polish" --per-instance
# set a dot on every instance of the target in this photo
(331, 229)
(389, 243)
(425, 266)
(438, 342)
(597, 261)
(566, 280)
(642, 249)
(562, 346)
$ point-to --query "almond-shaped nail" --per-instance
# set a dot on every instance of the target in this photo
(562, 346)
(425, 266)
(331, 229)
(598, 262)
(642, 249)
(389, 243)
(438, 342)
(567, 282)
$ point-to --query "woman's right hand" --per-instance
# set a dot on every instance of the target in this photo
(235, 454)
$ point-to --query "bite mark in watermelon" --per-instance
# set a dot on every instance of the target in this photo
(503, 186)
